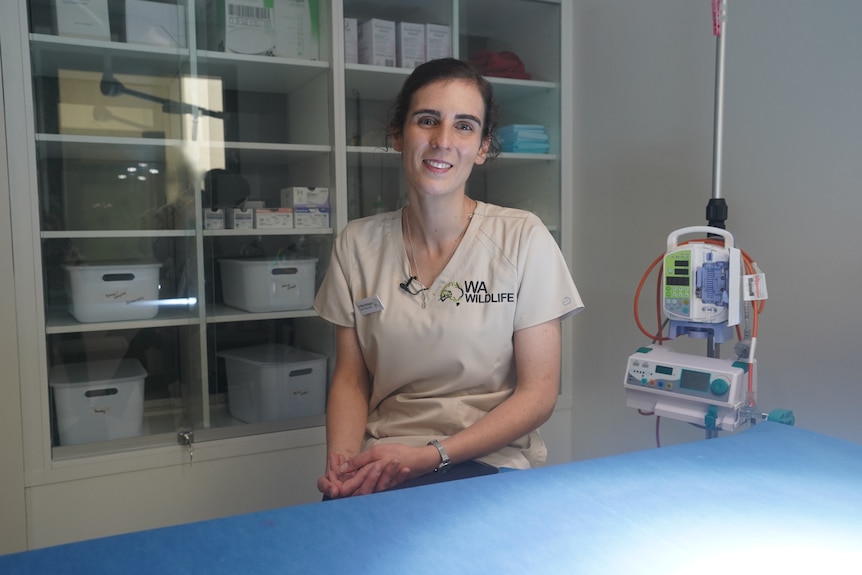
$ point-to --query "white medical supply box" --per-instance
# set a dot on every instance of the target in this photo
(296, 29)
(83, 18)
(409, 44)
(155, 23)
(98, 400)
(272, 381)
(239, 219)
(120, 292)
(267, 218)
(299, 197)
(438, 41)
(351, 41)
(214, 218)
(268, 284)
(377, 42)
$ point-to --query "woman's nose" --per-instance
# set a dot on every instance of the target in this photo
(440, 138)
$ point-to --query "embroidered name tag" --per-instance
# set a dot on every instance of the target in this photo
(369, 305)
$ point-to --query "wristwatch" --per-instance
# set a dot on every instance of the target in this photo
(445, 462)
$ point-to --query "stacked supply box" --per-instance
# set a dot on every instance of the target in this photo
(273, 218)
(120, 292)
(438, 41)
(351, 41)
(269, 382)
(377, 42)
(239, 218)
(155, 23)
(245, 26)
(214, 218)
(83, 18)
(98, 400)
(286, 28)
(297, 29)
(310, 206)
(409, 44)
(268, 284)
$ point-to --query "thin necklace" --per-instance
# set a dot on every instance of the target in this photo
(451, 253)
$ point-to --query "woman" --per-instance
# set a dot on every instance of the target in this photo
(447, 311)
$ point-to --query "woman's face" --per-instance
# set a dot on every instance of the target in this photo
(441, 139)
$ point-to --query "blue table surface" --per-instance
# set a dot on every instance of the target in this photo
(772, 497)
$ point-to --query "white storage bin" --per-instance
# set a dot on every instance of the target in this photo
(98, 400)
(261, 284)
(113, 292)
(271, 381)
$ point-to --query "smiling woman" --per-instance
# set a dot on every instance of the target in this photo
(460, 361)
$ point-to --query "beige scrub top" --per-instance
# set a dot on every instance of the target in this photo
(438, 369)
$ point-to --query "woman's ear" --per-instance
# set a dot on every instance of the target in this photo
(396, 141)
(483, 151)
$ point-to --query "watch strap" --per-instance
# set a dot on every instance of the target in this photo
(444, 457)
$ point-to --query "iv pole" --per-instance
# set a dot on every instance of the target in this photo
(716, 209)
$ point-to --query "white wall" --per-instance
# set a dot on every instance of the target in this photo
(645, 76)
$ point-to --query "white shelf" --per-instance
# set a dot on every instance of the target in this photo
(63, 322)
(259, 73)
(82, 147)
(72, 234)
(243, 233)
(220, 313)
(52, 53)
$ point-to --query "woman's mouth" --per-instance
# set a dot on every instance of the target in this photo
(437, 164)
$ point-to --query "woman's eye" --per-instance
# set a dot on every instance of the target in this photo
(465, 127)
(426, 121)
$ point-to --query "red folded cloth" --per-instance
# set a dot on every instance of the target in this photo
(499, 64)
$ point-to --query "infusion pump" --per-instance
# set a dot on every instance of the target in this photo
(700, 390)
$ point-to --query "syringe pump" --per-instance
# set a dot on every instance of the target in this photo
(704, 391)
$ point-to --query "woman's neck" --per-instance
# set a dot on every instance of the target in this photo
(432, 235)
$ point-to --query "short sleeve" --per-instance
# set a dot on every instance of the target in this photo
(334, 299)
(546, 288)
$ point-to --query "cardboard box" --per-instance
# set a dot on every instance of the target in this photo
(301, 198)
(409, 44)
(296, 29)
(377, 42)
(351, 41)
(83, 18)
(311, 218)
(245, 26)
(155, 23)
(214, 219)
(239, 219)
(273, 218)
(438, 41)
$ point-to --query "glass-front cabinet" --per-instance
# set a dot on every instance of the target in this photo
(189, 163)
(177, 147)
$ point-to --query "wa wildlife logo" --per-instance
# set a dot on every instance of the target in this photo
(452, 291)
(473, 292)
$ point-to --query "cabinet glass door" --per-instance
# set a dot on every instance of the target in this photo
(177, 271)
(267, 222)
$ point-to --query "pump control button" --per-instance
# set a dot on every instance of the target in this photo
(719, 387)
